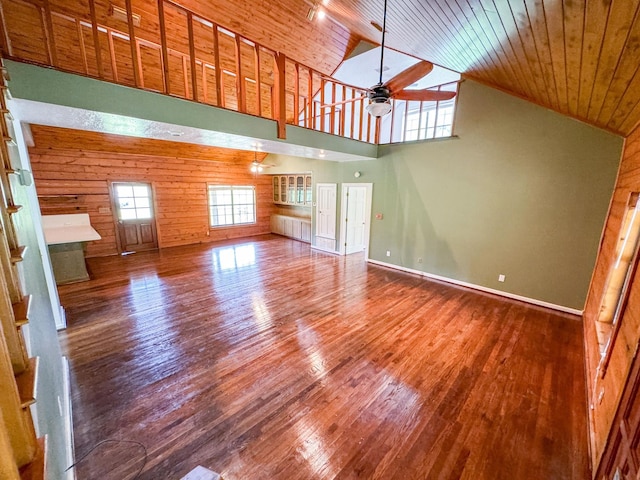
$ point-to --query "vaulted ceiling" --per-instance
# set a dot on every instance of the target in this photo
(577, 57)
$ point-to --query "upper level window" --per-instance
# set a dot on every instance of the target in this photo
(433, 122)
(231, 205)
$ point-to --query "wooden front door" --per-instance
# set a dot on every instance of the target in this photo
(136, 222)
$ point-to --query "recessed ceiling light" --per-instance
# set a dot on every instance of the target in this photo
(321, 14)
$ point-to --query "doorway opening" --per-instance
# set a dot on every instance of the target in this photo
(135, 217)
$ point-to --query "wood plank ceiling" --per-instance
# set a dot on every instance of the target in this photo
(577, 57)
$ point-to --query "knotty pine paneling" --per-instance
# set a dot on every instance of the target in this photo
(72, 171)
(604, 393)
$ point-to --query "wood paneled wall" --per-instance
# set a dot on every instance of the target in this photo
(605, 391)
(72, 171)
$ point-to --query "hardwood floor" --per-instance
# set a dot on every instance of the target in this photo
(263, 359)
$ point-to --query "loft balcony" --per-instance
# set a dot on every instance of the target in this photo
(172, 51)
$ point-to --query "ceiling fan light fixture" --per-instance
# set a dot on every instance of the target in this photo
(379, 104)
(378, 108)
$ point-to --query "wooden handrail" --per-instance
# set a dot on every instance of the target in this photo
(294, 99)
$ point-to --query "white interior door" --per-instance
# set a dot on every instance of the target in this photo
(355, 222)
(326, 216)
(355, 217)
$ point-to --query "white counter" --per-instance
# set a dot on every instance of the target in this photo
(68, 229)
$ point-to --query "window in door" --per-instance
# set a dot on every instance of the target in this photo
(231, 205)
(134, 201)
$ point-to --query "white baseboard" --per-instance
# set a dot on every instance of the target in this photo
(67, 415)
(61, 323)
(512, 296)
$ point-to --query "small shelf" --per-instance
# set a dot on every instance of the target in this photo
(36, 469)
(21, 311)
(11, 209)
(26, 382)
(17, 254)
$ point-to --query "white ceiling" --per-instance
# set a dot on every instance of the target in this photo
(31, 112)
(363, 70)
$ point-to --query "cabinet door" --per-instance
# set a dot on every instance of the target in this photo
(308, 191)
(276, 189)
(288, 226)
(300, 189)
(283, 189)
(297, 229)
(306, 232)
(291, 189)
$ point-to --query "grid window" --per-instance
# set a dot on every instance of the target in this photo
(231, 205)
(134, 201)
(430, 122)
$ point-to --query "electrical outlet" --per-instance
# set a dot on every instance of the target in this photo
(420, 260)
(388, 253)
(501, 278)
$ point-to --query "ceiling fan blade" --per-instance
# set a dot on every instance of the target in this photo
(409, 76)
(423, 95)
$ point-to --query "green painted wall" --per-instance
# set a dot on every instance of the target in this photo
(41, 328)
(523, 191)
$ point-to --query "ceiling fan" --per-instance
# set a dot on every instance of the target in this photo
(381, 93)
(257, 165)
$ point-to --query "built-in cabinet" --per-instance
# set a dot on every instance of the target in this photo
(294, 227)
(292, 189)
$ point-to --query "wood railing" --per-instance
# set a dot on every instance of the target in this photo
(171, 50)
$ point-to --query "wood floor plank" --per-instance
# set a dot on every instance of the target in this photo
(261, 358)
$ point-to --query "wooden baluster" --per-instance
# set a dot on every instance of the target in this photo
(185, 76)
(112, 53)
(296, 94)
(342, 111)
(369, 128)
(216, 56)
(192, 54)
(332, 112)
(83, 50)
(280, 96)
(322, 102)
(96, 38)
(205, 88)
(240, 81)
(352, 104)
(376, 136)
(137, 74)
(47, 23)
(312, 122)
(256, 59)
(360, 128)
(165, 50)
